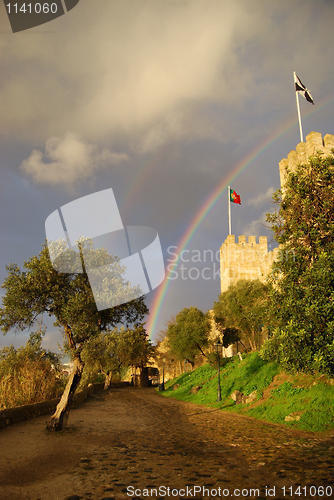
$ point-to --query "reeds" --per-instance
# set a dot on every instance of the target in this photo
(30, 381)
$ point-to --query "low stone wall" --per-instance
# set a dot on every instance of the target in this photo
(115, 385)
(12, 415)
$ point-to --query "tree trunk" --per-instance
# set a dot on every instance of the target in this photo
(252, 342)
(107, 381)
(59, 419)
(143, 377)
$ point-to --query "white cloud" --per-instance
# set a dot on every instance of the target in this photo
(123, 69)
(262, 198)
(51, 340)
(152, 71)
(68, 159)
(257, 227)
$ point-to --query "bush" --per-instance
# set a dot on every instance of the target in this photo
(29, 374)
(32, 381)
(295, 350)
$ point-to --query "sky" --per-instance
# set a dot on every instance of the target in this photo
(166, 103)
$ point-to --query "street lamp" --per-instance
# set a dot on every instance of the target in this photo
(163, 372)
(219, 347)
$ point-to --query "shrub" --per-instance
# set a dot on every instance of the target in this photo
(29, 374)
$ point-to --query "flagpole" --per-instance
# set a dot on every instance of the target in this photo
(298, 109)
(229, 209)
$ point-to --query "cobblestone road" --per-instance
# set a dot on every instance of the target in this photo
(134, 443)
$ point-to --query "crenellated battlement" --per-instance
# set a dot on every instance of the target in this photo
(249, 259)
(314, 142)
(245, 259)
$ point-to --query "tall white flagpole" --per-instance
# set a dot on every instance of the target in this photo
(298, 108)
(229, 209)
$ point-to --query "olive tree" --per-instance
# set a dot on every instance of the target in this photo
(188, 334)
(113, 351)
(68, 297)
(242, 309)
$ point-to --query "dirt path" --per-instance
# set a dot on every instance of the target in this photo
(136, 438)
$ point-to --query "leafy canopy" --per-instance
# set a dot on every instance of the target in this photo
(243, 307)
(111, 352)
(302, 298)
(67, 296)
(188, 334)
(29, 374)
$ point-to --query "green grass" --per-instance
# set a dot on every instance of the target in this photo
(315, 403)
(313, 400)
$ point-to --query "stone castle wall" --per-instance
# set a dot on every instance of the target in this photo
(251, 260)
(245, 260)
(314, 142)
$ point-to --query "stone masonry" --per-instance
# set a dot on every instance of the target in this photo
(245, 260)
(314, 142)
(251, 260)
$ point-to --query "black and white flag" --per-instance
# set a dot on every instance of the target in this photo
(302, 89)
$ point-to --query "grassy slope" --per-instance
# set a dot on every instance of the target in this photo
(279, 394)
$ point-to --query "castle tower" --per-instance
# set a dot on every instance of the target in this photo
(245, 260)
(251, 260)
(314, 142)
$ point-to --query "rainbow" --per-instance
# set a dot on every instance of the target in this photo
(143, 174)
(209, 204)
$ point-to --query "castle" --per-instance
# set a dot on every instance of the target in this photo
(251, 260)
(244, 260)
(314, 142)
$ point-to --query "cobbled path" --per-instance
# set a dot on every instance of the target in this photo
(134, 443)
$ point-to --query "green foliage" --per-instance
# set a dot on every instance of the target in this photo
(29, 374)
(112, 351)
(302, 298)
(67, 296)
(313, 403)
(188, 334)
(99, 379)
(187, 380)
(292, 348)
(304, 223)
(285, 390)
(212, 358)
(243, 309)
(230, 335)
(253, 373)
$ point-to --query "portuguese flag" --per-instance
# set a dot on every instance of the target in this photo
(234, 197)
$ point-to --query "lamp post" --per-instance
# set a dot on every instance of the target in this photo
(218, 347)
(163, 372)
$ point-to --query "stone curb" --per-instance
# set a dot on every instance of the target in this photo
(11, 416)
